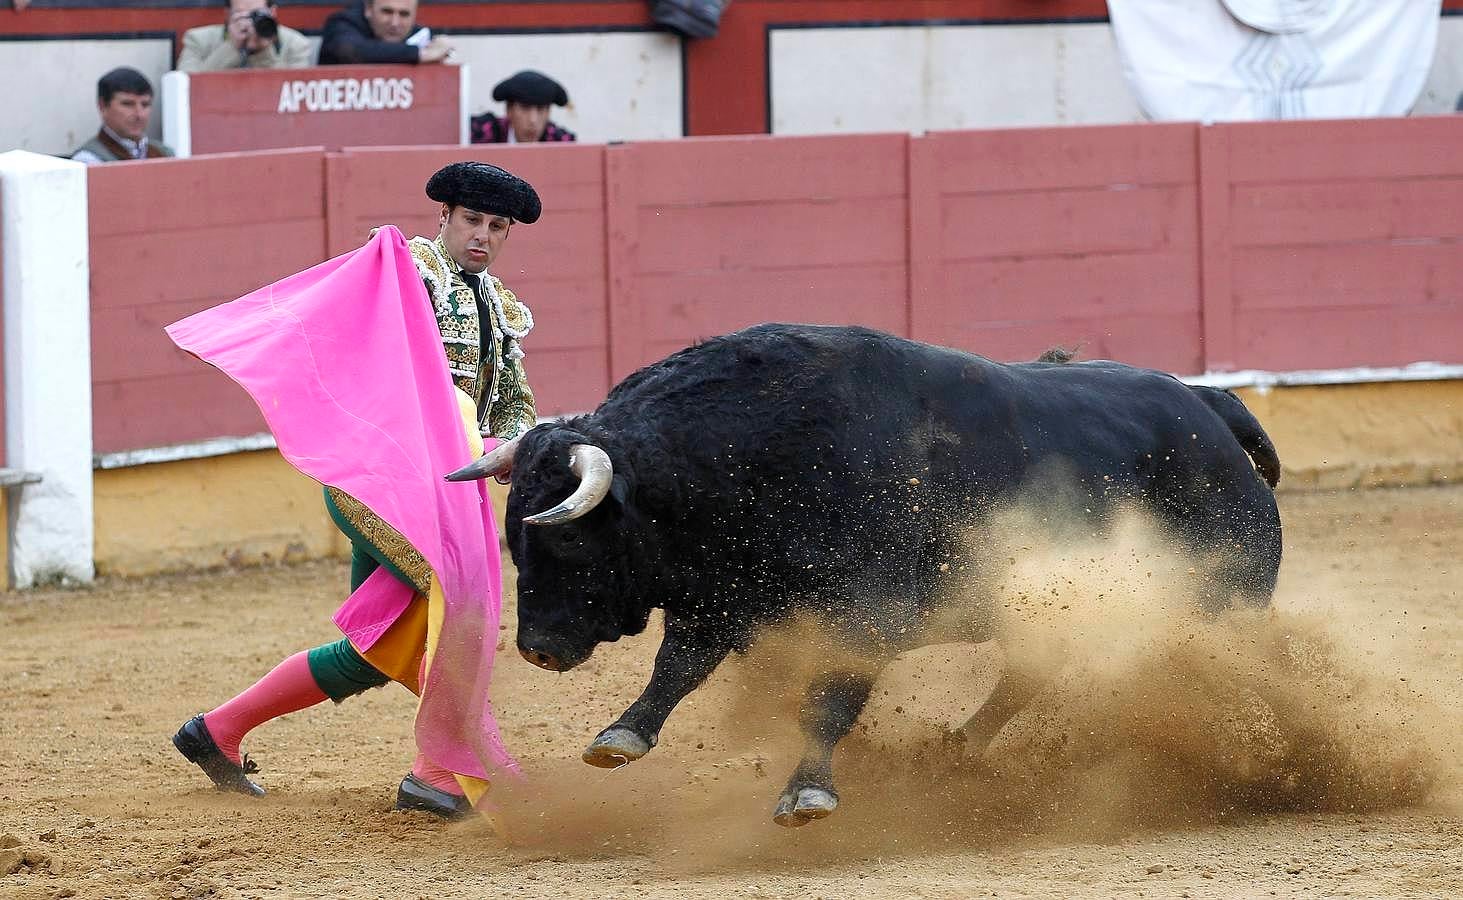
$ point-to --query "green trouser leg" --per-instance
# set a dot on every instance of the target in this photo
(341, 671)
(365, 557)
(339, 668)
(363, 563)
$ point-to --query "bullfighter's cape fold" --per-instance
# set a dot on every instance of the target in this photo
(345, 361)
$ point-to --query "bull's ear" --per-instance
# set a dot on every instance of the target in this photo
(620, 490)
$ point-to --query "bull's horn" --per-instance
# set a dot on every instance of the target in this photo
(495, 462)
(595, 470)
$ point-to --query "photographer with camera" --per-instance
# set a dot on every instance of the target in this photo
(251, 38)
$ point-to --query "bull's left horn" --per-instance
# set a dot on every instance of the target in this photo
(595, 471)
(495, 462)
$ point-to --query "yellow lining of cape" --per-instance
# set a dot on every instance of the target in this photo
(398, 654)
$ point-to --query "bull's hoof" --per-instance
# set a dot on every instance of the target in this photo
(615, 747)
(796, 809)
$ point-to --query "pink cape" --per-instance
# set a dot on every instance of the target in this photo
(345, 361)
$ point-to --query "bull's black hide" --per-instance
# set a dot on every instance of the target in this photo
(839, 470)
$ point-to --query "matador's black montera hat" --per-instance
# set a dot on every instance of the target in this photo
(532, 88)
(485, 188)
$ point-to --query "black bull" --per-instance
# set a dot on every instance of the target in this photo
(791, 469)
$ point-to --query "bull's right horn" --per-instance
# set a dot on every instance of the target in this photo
(495, 462)
(595, 471)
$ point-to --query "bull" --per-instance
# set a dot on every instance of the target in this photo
(837, 471)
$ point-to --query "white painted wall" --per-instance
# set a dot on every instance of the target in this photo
(1445, 81)
(622, 85)
(839, 80)
(50, 105)
(43, 214)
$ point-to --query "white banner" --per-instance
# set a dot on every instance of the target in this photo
(1237, 60)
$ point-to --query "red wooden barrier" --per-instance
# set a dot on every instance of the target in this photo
(169, 238)
(1083, 237)
(710, 235)
(1278, 246)
(557, 264)
(1341, 242)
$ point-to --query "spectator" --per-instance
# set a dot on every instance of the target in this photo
(124, 99)
(526, 118)
(379, 31)
(250, 38)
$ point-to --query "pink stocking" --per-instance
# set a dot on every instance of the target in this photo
(288, 687)
(423, 768)
(433, 774)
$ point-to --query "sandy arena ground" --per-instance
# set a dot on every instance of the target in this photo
(1314, 751)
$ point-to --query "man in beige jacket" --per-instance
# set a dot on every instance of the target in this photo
(251, 37)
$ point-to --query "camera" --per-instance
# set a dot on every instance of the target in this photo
(264, 24)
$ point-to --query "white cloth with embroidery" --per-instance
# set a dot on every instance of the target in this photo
(1239, 60)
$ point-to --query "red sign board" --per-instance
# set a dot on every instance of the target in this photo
(327, 106)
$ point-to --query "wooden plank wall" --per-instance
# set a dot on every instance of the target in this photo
(1344, 242)
(170, 238)
(1033, 239)
(713, 235)
(556, 265)
(1278, 246)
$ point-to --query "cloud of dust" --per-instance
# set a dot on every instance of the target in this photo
(1252, 710)
(1151, 715)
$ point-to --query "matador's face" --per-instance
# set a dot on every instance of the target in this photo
(473, 238)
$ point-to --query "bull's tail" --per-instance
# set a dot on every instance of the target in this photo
(1246, 429)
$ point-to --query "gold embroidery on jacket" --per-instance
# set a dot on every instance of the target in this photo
(383, 537)
(499, 385)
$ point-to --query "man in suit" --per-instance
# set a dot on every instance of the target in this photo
(380, 32)
(250, 38)
(124, 100)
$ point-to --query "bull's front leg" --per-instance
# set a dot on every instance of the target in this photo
(685, 658)
(830, 709)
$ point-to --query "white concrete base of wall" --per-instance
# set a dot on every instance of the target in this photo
(47, 316)
(177, 114)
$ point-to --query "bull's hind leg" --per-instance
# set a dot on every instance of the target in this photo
(1013, 691)
(830, 708)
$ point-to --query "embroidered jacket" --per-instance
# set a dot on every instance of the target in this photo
(490, 129)
(495, 380)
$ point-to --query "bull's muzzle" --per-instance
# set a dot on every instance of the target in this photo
(549, 653)
(542, 660)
